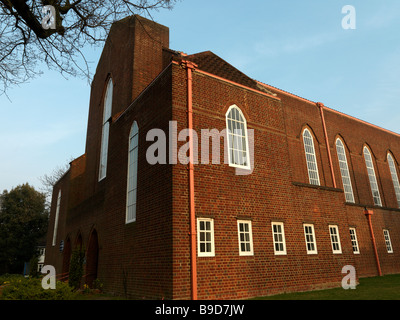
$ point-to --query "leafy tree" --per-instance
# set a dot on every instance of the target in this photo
(28, 35)
(23, 221)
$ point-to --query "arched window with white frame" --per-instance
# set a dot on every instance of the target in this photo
(238, 145)
(107, 109)
(395, 178)
(311, 158)
(344, 171)
(131, 193)
(372, 177)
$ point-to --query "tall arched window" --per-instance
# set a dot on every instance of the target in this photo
(310, 157)
(56, 218)
(395, 178)
(372, 177)
(238, 145)
(105, 129)
(344, 171)
(132, 174)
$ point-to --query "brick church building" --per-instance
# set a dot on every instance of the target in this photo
(300, 190)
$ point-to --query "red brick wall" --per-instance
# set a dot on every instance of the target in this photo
(264, 196)
(150, 258)
(53, 254)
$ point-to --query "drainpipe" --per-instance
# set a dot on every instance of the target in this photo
(190, 66)
(321, 109)
(368, 214)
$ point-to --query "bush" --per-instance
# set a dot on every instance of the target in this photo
(20, 288)
(7, 278)
(76, 268)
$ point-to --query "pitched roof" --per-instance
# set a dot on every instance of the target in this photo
(209, 62)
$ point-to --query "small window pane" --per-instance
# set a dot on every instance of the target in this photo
(310, 239)
(245, 238)
(278, 238)
(205, 237)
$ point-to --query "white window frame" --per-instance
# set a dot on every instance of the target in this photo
(395, 178)
(311, 158)
(105, 130)
(237, 137)
(278, 237)
(354, 241)
(335, 239)
(131, 189)
(309, 235)
(388, 242)
(56, 218)
(245, 238)
(372, 177)
(344, 171)
(205, 237)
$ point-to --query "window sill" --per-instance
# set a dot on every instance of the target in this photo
(313, 186)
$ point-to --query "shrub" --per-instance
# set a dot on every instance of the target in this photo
(7, 278)
(31, 289)
(76, 268)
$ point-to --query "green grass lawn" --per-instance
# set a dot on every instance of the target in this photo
(375, 288)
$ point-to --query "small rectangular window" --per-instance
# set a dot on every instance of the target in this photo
(311, 244)
(278, 236)
(245, 238)
(205, 237)
(388, 242)
(335, 240)
(354, 241)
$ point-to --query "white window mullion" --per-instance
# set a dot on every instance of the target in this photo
(245, 238)
(344, 171)
(395, 178)
(131, 193)
(238, 144)
(278, 237)
(105, 130)
(354, 241)
(311, 245)
(56, 218)
(311, 159)
(372, 177)
(388, 242)
(205, 237)
(335, 239)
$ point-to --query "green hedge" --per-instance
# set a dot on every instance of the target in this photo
(20, 288)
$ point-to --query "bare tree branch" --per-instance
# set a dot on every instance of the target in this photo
(24, 41)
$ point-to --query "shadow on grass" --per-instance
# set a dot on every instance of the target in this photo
(375, 288)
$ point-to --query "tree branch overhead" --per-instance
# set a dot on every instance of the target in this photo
(24, 41)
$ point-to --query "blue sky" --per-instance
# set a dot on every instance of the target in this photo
(297, 46)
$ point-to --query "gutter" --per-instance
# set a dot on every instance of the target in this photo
(321, 109)
(190, 66)
(368, 214)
